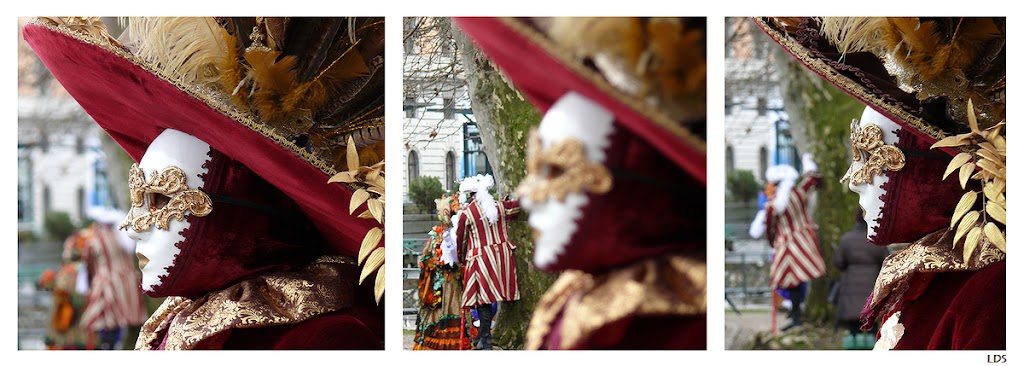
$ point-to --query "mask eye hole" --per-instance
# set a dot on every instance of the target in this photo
(555, 171)
(158, 201)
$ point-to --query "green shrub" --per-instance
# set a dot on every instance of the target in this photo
(424, 190)
(742, 185)
(58, 225)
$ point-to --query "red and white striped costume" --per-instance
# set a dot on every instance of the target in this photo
(490, 268)
(797, 258)
(114, 298)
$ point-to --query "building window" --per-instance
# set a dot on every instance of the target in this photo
(414, 165)
(449, 170)
(79, 145)
(730, 160)
(24, 189)
(449, 108)
(762, 106)
(410, 107)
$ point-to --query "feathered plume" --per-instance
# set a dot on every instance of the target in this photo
(186, 49)
(960, 58)
(651, 58)
(317, 81)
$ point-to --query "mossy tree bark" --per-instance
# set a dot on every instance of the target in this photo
(820, 116)
(505, 119)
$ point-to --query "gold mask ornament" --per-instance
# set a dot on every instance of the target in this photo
(169, 182)
(869, 147)
(561, 169)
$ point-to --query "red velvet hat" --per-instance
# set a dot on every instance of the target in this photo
(943, 80)
(648, 76)
(298, 101)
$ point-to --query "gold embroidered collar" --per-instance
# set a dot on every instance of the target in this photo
(668, 285)
(324, 286)
(931, 254)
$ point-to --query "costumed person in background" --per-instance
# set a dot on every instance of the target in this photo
(481, 233)
(929, 165)
(65, 331)
(114, 301)
(616, 175)
(796, 258)
(237, 124)
(860, 264)
(439, 320)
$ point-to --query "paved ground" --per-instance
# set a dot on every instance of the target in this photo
(740, 329)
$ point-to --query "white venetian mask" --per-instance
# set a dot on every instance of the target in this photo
(165, 192)
(873, 140)
(565, 159)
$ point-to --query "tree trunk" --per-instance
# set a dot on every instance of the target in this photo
(504, 119)
(820, 116)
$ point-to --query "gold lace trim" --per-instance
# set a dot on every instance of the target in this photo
(869, 147)
(171, 182)
(634, 103)
(931, 254)
(324, 286)
(859, 91)
(668, 285)
(561, 169)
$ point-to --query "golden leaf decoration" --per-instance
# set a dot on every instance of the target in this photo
(352, 156)
(991, 168)
(958, 161)
(991, 191)
(996, 211)
(991, 156)
(968, 221)
(369, 243)
(965, 204)
(985, 150)
(378, 285)
(373, 261)
(370, 183)
(995, 236)
(358, 197)
(342, 177)
(973, 237)
(988, 146)
(376, 209)
(954, 140)
(965, 174)
(972, 120)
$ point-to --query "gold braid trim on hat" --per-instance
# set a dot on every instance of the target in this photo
(664, 286)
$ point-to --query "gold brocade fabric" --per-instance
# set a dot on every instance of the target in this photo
(324, 286)
(667, 285)
(931, 254)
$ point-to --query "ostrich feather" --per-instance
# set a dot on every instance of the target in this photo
(187, 49)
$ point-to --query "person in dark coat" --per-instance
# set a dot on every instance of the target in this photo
(860, 264)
